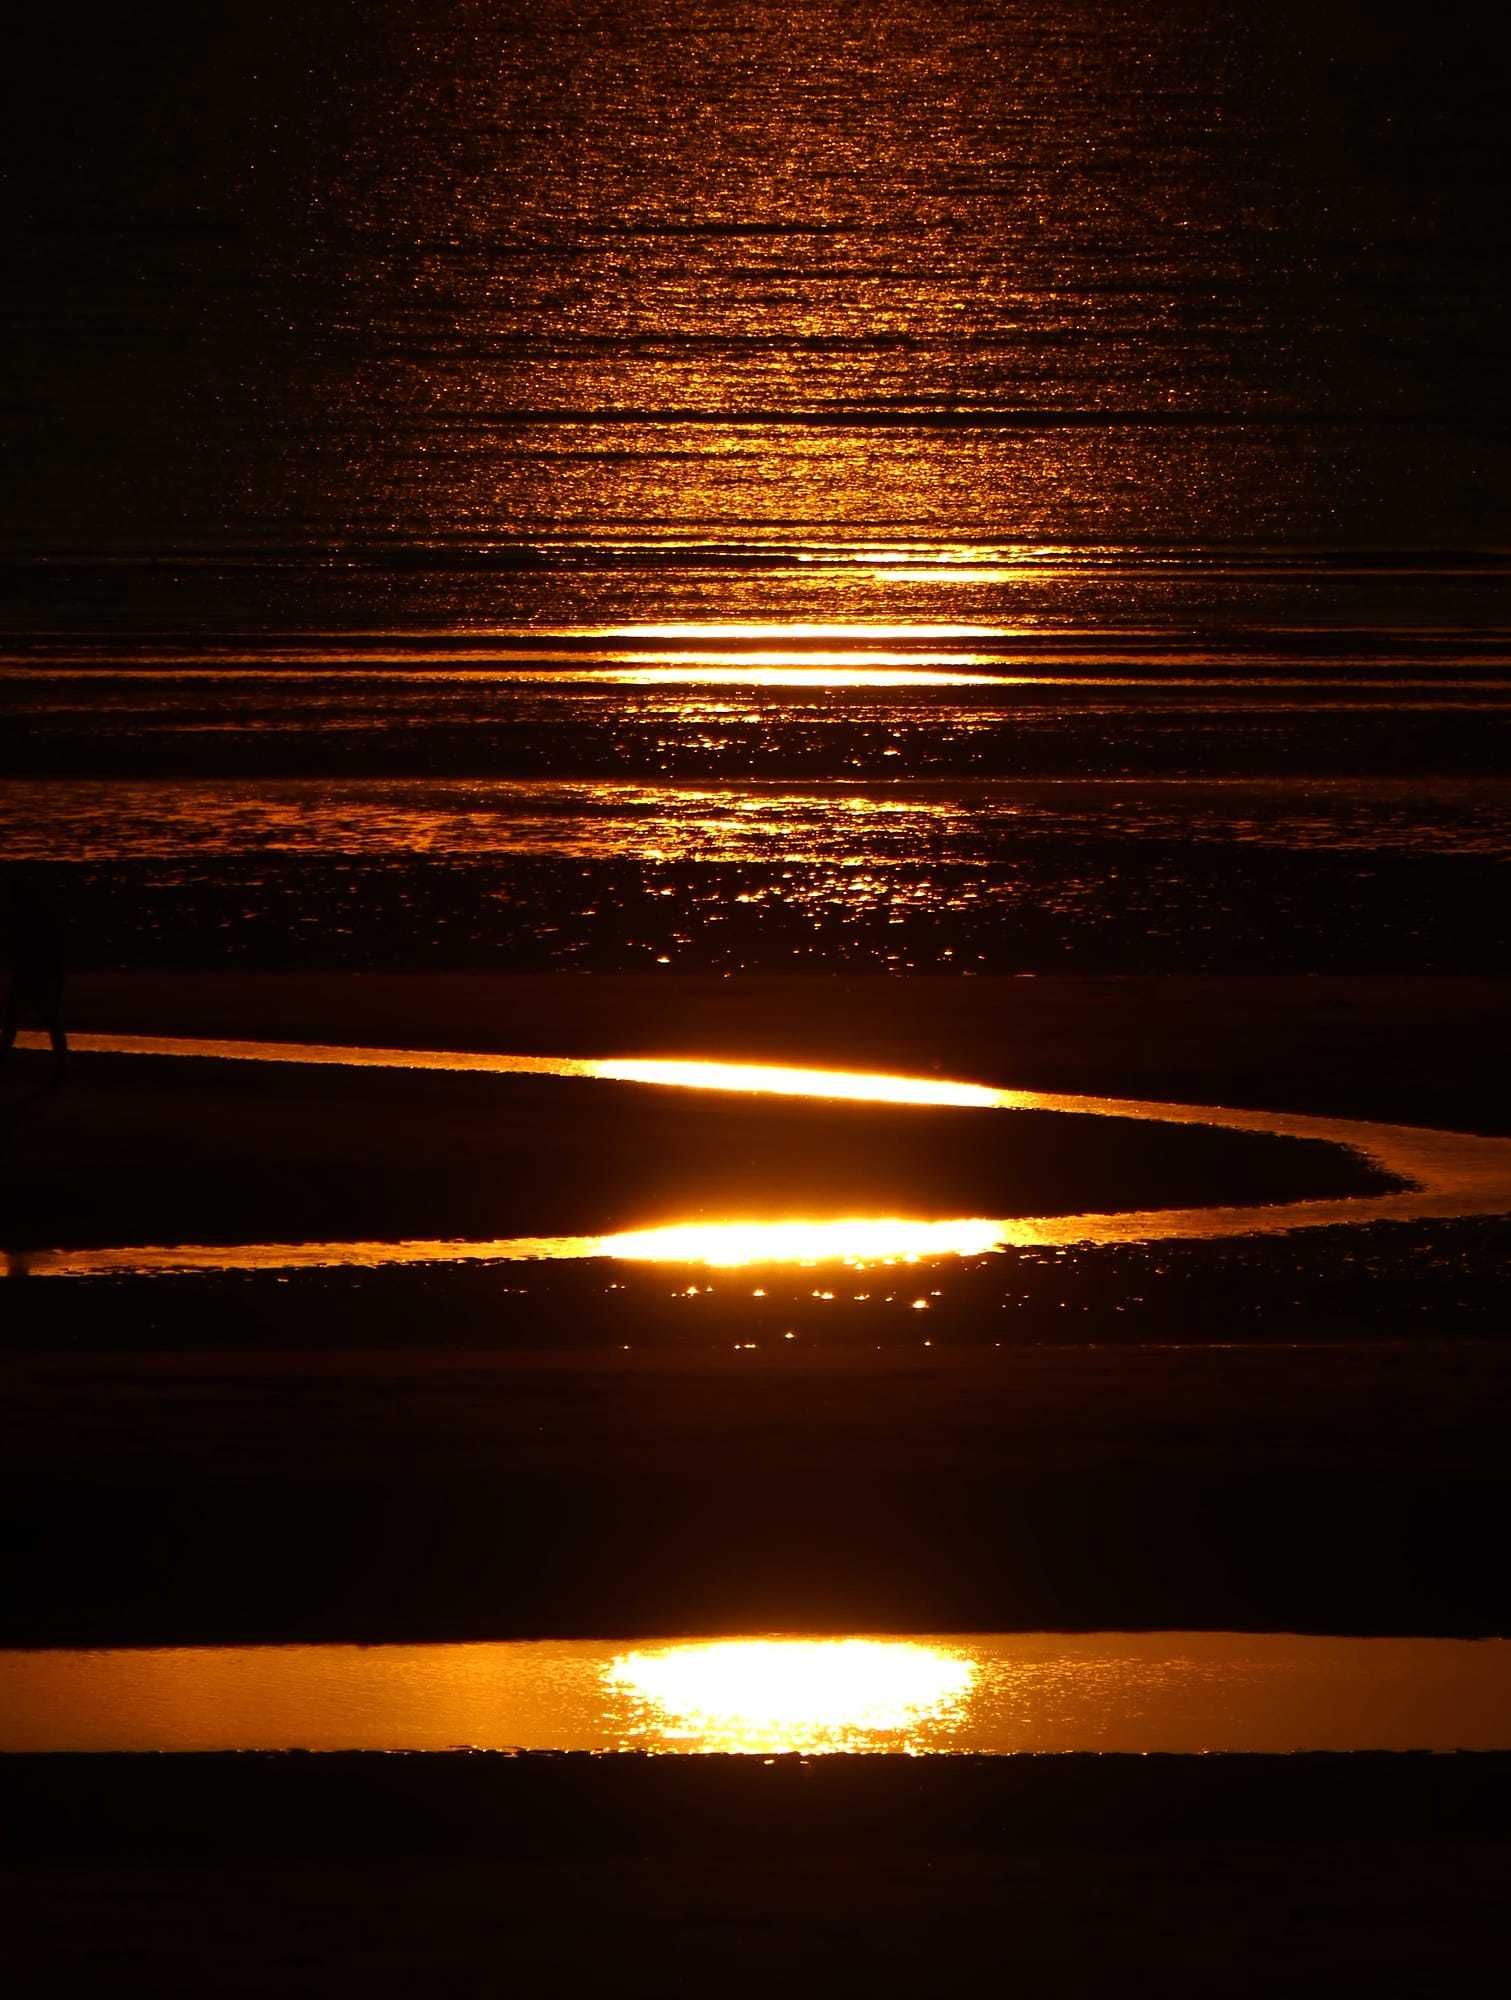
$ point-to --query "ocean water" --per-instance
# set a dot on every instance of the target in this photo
(950, 487)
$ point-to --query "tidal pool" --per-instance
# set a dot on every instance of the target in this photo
(766, 1695)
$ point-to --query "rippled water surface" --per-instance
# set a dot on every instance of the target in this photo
(742, 486)
(683, 269)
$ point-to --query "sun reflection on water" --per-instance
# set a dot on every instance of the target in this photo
(836, 632)
(785, 1695)
(777, 1080)
(851, 1240)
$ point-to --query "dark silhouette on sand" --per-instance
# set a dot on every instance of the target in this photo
(32, 943)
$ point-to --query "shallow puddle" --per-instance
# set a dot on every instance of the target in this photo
(991, 1694)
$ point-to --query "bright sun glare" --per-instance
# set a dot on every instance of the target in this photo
(794, 1694)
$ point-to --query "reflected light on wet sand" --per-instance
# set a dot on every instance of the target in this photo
(754, 1695)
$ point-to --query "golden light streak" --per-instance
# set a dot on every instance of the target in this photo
(838, 634)
(786, 1695)
(473, 665)
(1010, 562)
(852, 1240)
(844, 670)
(777, 1080)
(910, 572)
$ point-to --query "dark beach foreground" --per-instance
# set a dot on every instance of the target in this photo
(459, 1875)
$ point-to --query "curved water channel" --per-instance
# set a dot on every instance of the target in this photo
(1443, 1176)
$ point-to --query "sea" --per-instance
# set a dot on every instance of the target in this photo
(760, 485)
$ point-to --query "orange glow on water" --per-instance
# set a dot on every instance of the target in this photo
(992, 1694)
(785, 1695)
